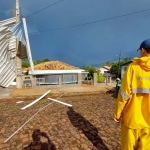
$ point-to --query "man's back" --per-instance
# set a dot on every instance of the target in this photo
(133, 102)
(135, 87)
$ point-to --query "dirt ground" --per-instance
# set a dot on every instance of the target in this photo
(69, 90)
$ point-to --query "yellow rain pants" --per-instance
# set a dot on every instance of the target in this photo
(135, 139)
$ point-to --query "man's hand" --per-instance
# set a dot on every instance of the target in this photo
(117, 120)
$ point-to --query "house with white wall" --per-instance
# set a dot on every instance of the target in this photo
(104, 69)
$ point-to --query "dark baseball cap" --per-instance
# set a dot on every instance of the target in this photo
(145, 44)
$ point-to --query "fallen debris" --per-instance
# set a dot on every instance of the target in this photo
(30, 119)
(60, 102)
(35, 100)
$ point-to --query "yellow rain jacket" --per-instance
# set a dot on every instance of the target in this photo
(133, 102)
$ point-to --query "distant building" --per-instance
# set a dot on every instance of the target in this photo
(124, 67)
(104, 69)
(49, 73)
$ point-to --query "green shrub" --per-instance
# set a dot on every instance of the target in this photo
(100, 78)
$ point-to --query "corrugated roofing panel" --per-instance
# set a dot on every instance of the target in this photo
(7, 53)
(18, 32)
(8, 22)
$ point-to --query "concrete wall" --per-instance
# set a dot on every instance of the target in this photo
(29, 81)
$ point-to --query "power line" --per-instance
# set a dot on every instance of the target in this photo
(92, 22)
(43, 9)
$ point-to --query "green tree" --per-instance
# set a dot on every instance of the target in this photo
(116, 69)
(127, 59)
(107, 63)
(37, 62)
(25, 64)
(45, 60)
(91, 70)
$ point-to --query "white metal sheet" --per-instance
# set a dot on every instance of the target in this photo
(7, 50)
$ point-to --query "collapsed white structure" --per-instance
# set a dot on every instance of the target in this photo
(10, 31)
(14, 42)
(7, 52)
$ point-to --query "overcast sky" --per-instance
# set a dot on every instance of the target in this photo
(83, 32)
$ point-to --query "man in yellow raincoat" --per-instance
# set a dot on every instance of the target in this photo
(133, 103)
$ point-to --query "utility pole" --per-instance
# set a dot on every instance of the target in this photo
(18, 60)
(119, 64)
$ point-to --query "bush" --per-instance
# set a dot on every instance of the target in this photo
(100, 78)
